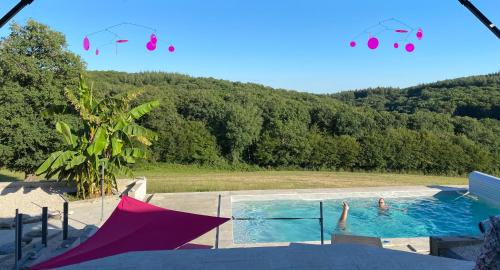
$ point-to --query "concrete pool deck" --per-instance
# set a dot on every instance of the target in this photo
(344, 256)
(206, 203)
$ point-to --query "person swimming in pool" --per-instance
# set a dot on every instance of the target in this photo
(382, 205)
(345, 211)
(343, 217)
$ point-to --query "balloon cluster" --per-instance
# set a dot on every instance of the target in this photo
(150, 45)
(374, 31)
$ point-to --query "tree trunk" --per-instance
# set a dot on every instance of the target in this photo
(29, 177)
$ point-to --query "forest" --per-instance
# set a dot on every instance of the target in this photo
(449, 127)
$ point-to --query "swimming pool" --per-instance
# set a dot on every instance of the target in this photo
(444, 214)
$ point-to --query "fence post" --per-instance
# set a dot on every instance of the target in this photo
(19, 238)
(65, 221)
(217, 229)
(45, 217)
(102, 192)
(321, 221)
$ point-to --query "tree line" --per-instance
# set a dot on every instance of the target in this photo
(209, 121)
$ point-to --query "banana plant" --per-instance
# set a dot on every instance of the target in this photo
(110, 138)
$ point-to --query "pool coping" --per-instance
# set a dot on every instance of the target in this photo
(341, 193)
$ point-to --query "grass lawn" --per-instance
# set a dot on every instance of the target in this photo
(9, 176)
(178, 178)
(184, 178)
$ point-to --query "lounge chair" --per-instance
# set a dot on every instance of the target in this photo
(457, 247)
(356, 239)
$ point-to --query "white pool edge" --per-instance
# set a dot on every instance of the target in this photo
(332, 194)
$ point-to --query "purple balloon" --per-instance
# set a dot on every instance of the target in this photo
(410, 47)
(96, 51)
(352, 44)
(171, 48)
(396, 45)
(153, 39)
(373, 43)
(151, 46)
(86, 44)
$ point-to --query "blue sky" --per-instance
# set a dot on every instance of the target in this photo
(292, 44)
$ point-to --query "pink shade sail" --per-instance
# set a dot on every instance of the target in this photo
(137, 226)
(401, 31)
(410, 47)
(420, 34)
(373, 43)
(171, 48)
(122, 41)
(352, 44)
(86, 43)
(151, 46)
(395, 45)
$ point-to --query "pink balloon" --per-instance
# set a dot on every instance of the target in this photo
(171, 48)
(151, 46)
(96, 51)
(396, 45)
(352, 44)
(373, 43)
(153, 39)
(410, 47)
(420, 34)
(86, 44)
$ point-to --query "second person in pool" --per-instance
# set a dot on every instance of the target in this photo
(345, 210)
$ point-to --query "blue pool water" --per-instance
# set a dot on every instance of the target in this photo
(445, 214)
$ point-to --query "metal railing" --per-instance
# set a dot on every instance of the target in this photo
(18, 259)
(320, 219)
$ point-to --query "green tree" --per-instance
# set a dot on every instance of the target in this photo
(110, 138)
(242, 128)
(35, 66)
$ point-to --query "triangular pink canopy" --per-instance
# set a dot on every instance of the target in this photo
(137, 226)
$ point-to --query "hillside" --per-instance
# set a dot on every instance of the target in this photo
(475, 96)
(419, 129)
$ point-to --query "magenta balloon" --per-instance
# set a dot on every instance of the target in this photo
(86, 44)
(352, 44)
(373, 43)
(410, 47)
(171, 48)
(96, 51)
(396, 45)
(151, 46)
(420, 34)
(153, 39)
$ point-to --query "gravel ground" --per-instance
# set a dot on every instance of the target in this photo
(28, 200)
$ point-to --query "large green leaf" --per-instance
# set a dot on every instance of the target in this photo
(46, 164)
(77, 160)
(143, 109)
(99, 142)
(120, 124)
(62, 159)
(65, 130)
(134, 130)
(116, 145)
(135, 152)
